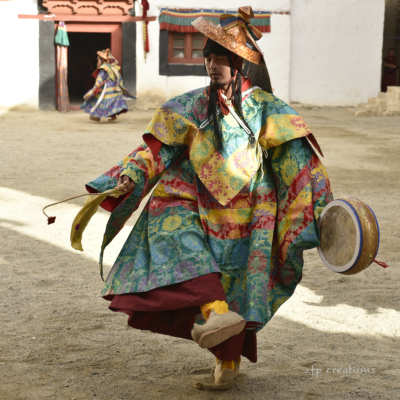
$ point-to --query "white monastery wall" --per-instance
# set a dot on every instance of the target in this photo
(19, 46)
(326, 52)
(336, 51)
(153, 89)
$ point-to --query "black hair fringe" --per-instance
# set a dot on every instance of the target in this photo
(212, 113)
(212, 47)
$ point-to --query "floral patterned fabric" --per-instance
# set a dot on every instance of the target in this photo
(113, 102)
(225, 174)
(254, 230)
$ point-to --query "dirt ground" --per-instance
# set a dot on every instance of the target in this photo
(337, 338)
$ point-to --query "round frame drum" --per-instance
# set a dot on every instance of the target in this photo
(349, 234)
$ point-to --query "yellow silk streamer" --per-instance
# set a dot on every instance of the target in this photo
(89, 208)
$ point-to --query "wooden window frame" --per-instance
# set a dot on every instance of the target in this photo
(188, 48)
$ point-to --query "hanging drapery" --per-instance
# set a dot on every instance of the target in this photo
(146, 46)
(181, 21)
(62, 43)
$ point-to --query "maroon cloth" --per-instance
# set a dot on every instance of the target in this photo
(110, 203)
(171, 310)
(153, 143)
(389, 74)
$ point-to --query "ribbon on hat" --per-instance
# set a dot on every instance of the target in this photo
(228, 21)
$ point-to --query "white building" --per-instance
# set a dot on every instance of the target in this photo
(322, 52)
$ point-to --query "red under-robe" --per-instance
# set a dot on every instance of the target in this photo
(389, 74)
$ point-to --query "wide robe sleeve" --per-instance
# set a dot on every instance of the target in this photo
(101, 77)
(145, 169)
(303, 190)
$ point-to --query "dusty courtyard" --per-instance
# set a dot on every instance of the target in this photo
(338, 337)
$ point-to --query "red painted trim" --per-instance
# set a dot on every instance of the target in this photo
(85, 18)
(97, 27)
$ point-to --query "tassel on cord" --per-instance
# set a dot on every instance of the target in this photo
(51, 220)
(265, 151)
(260, 159)
(382, 264)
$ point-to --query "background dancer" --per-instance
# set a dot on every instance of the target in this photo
(106, 98)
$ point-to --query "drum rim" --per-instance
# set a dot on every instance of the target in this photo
(379, 231)
(359, 241)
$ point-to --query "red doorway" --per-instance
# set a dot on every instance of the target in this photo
(101, 34)
(82, 60)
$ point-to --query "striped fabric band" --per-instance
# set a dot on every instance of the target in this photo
(181, 21)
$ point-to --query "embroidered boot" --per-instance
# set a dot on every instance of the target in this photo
(217, 329)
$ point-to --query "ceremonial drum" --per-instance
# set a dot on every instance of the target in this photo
(349, 234)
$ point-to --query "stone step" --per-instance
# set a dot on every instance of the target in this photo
(371, 107)
(384, 104)
(393, 89)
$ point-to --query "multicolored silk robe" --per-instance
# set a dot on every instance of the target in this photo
(240, 217)
(111, 101)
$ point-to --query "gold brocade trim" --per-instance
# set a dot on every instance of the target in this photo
(113, 72)
(226, 177)
(159, 191)
(229, 216)
(281, 128)
(171, 128)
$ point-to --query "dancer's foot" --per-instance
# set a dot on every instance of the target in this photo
(113, 118)
(217, 329)
(94, 118)
(226, 371)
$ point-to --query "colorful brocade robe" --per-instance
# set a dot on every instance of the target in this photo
(246, 213)
(112, 101)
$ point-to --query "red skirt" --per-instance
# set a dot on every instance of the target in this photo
(171, 310)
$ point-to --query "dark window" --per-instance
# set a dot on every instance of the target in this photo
(180, 68)
(185, 48)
